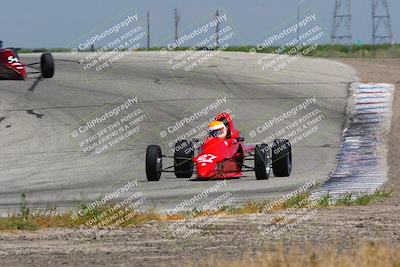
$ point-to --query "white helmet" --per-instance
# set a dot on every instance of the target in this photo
(217, 129)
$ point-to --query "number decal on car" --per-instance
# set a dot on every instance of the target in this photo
(12, 59)
(206, 158)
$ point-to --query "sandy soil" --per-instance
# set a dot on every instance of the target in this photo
(154, 244)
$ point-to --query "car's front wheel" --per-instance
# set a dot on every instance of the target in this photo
(262, 161)
(47, 65)
(282, 158)
(153, 163)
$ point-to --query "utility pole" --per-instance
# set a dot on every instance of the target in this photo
(148, 30)
(298, 21)
(341, 28)
(381, 15)
(217, 29)
(177, 19)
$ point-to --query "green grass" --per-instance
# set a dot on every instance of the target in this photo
(20, 221)
(344, 200)
(378, 196)
(325, 50)
(324, 201)
(338, 51)
(16, 223)
(348, 199)
(298, 201)
(43, 50)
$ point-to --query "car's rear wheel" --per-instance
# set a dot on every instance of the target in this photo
(47, 65)
(183, 164)
(282, 158)
(153, 163)
(262, 162)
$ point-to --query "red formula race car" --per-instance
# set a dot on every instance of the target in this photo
(221, 158)
(12, 69)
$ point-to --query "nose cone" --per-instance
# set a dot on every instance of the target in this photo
(205, 165)
(205, 170)
(202, 173)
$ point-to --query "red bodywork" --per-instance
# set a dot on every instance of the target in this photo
(10, 67)
(222, 158)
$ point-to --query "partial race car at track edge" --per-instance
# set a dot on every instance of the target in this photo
(222, 155)
(12, 69)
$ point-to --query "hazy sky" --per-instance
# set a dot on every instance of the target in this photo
(58, 23)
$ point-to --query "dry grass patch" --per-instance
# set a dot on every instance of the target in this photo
(27, 220)
(366, 255)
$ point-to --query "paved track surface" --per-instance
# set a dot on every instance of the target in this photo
(39, 157)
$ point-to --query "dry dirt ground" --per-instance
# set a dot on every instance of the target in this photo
(154, 244)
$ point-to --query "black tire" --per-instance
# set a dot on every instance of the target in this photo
(282, 158)
(183, 164)
(153, 163)
(47, 65)
(262, 162)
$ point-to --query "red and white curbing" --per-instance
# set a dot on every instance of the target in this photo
(361, 162)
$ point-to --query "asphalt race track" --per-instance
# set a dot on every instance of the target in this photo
(40, 158)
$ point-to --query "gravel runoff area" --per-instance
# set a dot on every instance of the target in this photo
(154, 244)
